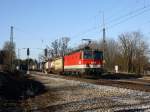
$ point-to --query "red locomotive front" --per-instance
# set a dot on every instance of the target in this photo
(84, 61)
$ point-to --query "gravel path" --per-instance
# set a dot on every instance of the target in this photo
(85, 97)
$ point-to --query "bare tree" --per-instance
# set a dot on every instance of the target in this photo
(3, 57)
(9, 53)
(59, 47)
(55, 47)
(111, 54)
(64, 45)
(133, 50)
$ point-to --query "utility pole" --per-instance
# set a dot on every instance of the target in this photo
(28, 53)
(11, 48)
(18, 59)
(104, 40)
(144, 3)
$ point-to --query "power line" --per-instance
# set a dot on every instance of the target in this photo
(30, 34)
(86, 31)
(121, 19)
(126, 19)
(128, 15)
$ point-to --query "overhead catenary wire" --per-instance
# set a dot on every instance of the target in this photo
(29, 34)
(115, 24)
(127, 14)
(121, 19)
(109, 23)
(126, 19)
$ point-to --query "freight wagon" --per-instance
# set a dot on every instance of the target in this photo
(57, 65)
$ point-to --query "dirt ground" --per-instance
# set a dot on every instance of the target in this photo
(54, 93)
(81, 95)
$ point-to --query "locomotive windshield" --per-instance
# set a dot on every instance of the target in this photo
(93, 55)
(88, 55)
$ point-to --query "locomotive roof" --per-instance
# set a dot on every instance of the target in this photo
(77, 50)
(82, 49)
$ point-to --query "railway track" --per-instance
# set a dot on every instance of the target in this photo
(141, 84)
(80, 94)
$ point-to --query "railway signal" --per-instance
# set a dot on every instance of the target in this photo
(45, 52)
(28, 51)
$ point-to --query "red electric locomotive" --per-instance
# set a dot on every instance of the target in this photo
(84, 61)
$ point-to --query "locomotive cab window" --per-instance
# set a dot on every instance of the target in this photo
(87, 55)
(93, 55)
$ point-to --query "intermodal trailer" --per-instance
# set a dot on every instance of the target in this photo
(57, 65)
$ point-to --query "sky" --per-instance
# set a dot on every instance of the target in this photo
(39, 22)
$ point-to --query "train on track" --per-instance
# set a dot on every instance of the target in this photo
(82, 61)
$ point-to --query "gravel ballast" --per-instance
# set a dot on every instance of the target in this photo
(81, 96)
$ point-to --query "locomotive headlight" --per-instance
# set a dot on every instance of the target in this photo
(79, 62)
(93, 62)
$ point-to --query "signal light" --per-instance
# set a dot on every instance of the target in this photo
(45, 50)
(28, 52)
